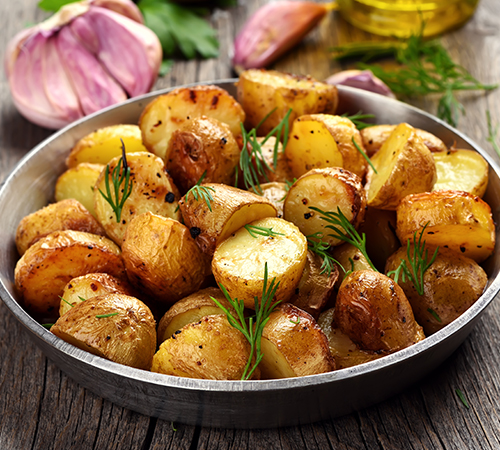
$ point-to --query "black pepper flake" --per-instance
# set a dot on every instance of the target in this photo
(195, 232)
(178, 332)
(170, 197)
(108, 338)
(462, 249)
(200, 346)
(224, 141)
(307, 215)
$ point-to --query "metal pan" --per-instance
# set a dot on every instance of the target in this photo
(231, 404)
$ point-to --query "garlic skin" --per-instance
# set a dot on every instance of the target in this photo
(273, 30)
(89, 55)
(361, 79)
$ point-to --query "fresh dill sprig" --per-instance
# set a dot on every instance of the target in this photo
(419, 262)
(316, 245)
(203, 192)
(103, 316)
(345, 231)
(492, 133)
(434, 314)
(47, 325)
(360, 150)
(119, 176)
(256, 231)
(358, 119)
(66, 301)
(252, 327)
(462, 398)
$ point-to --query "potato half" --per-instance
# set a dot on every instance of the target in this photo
(239, 261)
(114, 326)
(167, 113)
(49, 264)
(327, 189)
(403, 166)
(455, 219)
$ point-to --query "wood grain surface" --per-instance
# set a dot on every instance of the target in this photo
(42, 408)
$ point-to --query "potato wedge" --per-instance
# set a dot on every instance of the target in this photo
(374, 137)
(262, 91)
(152, 191)
(78, 183)
(350, 259)
(191, 309)
(167, 113)
(461, 170)
(49, 264)
(326, 189)
(293, 345)
(275, 192)
(82, 288)
(323, 140)
(202, 145)
(113, 326)
(162, 259)
(404, 165)
(64, 215)
(452, 284)
(455, 219)
(239, 261)
(229, 210)
(373, 311)
(101, 146)
(210, 349)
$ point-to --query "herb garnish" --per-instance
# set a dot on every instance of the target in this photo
(316, 245)
(103, 316)
(118, 176)
(297, 321)
(202, 192)
(419, 262)
(66, 301)
(47, 325)
(360, 150)
(434, 314)
(492, 133)
(358, 120)
(461, 396)
(253, 327)
(256, 231)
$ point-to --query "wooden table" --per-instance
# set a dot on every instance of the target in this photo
(41, 408)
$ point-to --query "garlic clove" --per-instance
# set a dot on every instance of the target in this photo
(84, 32)
(95, 92)
(14, 47)
(124, 7)
(361, 79)
(136, 66)
(274, 29)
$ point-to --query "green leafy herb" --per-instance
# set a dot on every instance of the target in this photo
(103, 316)
(419, 262)
(173, 426)
(82, 299)
(344, 230)
(316, 245)
(295, 322)
(66, 301)
(461, 396)
(203, 192)
(360, 150)
(358, 119)
(252, 327)
(54, 5)
(256, 231)
(47, 325)
(119, 176)
(434, 314)
(492, 133)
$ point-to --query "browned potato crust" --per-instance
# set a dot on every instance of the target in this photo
(200, 146)
(455, 219)
(64, 215)
(374, 312)
(350, 259)
(451, 286)
(210, 349)
(162, 259)
(49, 264)
(275, 192)
(114, 326)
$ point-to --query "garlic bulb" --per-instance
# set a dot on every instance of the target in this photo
(361, 79)
(89, 55)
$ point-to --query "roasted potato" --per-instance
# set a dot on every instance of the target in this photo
(101, 146)
(262, 91)
(453, 219)
(64, 215)
(403, 166)
(210, 349)
(327, 189)
(78, 183)
(239, 261)
(275, 192)
(49, 264)
(161, 258)
(202, 145)
(82, 288)
(167, 113)
(373, 311)
(152, 191)
(350, 258)
(211, 222)
(451, 285)
(323, 140)
(461, 170)
(293, 345)
(191, 309)
(114, 326)
(373, 138)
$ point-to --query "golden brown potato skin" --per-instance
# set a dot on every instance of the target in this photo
(127, 336)
(451, 286)
(200, 146)
(162, 259)
(210, 349)
(64, 215)
(374, 312)
(275, 192)
(48, 265)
